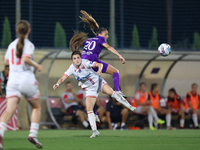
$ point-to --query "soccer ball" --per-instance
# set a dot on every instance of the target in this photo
(164, 49)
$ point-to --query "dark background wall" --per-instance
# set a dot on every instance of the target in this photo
(146, 14)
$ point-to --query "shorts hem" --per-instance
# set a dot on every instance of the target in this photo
(33, 98)
(91, 96)
(7, 97)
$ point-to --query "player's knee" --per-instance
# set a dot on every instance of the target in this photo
(124, 111)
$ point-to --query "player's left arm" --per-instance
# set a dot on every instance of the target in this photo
(112, 50)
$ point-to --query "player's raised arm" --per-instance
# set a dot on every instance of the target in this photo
(111, 49)
(60, 81)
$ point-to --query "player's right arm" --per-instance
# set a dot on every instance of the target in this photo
(63, 78)
(60, 81)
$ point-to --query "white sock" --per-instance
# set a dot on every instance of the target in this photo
(92, 120)
(168, 120)
(85, 124)
(123, 124)
(34, 129)
(182, 122)
(150, 119)
(153, 112)
(2, 128)
(121, 99)
(194, 118)
(155, 124)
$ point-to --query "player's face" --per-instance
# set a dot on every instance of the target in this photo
(6, 70)
(69, 87)
(104, 34)
(171, 94)
(143, 88)
(194, 88)
(77, 60)
(157, 88)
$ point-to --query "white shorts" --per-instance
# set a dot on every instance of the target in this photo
(187, 110)
(138, 109)
(93, 90)
(30, 91)
(175, 110)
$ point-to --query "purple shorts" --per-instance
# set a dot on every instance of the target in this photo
(105, 66)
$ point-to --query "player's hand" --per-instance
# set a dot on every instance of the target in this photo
(99, 72)
(55, 86)
(122, 59)
(110, 127)
(39, 67)
(3, 96)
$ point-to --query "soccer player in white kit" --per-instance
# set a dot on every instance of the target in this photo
(22, 80)
(93, 83)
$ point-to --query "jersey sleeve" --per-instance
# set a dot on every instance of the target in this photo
(179, 100)
(28, 50)
(90, 64)
(68, 72)
(102, 40)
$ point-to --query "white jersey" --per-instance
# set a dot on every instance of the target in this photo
(70, 96)
(84, 74)
(19, 71)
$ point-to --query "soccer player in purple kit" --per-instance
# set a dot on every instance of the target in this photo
(93, 47)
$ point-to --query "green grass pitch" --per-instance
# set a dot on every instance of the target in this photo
(108, 140)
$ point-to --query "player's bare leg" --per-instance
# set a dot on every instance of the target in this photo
(35, 119)
(10, 110)
(82, 118)
(90, 101)
(116, 78)
(108, 90)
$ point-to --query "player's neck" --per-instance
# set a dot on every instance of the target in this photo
(193, 93)
(154, 92)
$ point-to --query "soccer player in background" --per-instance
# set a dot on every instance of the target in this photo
(71, 103)
(22, 80)
(143, 106)
(93, 83)
(154, 99)
(192, 104)
(4, 80)
(116, 114)
(175, 105)
(93, 47)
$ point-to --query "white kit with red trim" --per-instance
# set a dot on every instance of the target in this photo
(87, 77)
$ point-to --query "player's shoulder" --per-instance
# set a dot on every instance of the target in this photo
(29, 44)
(13, 44)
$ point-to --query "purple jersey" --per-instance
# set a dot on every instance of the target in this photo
(92, 48)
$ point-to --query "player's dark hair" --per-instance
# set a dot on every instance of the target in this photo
(194, 84)
(142, 83)
(67, 82)
(87, 18)
(154, 85)
(76, 53)
(173, 91)
(77, 40)
(6, 66)
(22, 28)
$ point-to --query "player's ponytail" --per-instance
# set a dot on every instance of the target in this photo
(22, 28)
(77, 40)
(87, 18)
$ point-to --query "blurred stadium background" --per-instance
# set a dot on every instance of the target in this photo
(136, 29)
